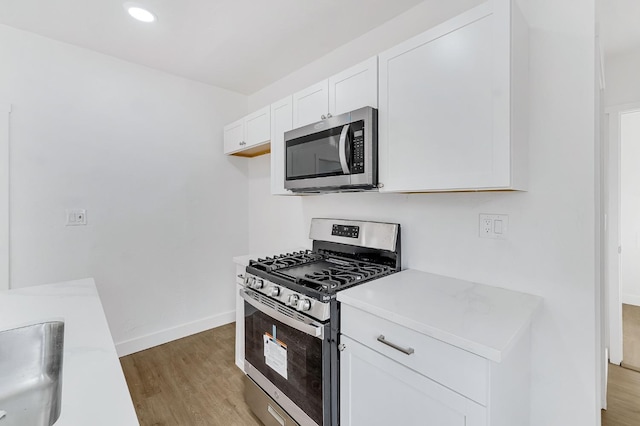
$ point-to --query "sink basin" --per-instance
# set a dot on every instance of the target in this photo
(31, 374)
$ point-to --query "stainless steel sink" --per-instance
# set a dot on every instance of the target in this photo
(31, 374)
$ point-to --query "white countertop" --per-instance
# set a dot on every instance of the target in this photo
(94, 391)
(244, 259)
(481, 319)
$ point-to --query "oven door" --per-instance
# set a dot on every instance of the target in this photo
(287, 355)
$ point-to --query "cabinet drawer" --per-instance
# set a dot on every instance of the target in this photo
(454, 368)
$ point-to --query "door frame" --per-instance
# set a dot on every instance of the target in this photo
(613, 237)
(5, 121)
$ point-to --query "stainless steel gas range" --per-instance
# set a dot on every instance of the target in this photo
(292, 318)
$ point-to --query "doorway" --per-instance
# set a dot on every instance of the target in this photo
(630, 236)
(623, 236)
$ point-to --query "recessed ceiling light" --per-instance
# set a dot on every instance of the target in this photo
(140, 13)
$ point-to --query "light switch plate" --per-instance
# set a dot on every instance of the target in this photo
(493, 226)
(76, 217)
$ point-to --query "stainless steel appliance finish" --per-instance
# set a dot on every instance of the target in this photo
(283, 314)
(292, 314)
(31, 374)
(376, 235)
(336, 154)
(264, 407)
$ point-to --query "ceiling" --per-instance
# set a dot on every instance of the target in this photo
(619, 22)
(241, 45)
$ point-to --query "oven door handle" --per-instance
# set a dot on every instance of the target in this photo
(342, 150)
(312, 328)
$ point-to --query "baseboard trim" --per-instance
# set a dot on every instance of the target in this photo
(141, 343)
(631, 299)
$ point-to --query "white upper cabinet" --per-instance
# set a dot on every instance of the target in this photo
(354, 88)
(257, 127)
(311, 104)
(233, 136)
(452, 112)
(351, 89)
(249, 136)
(281, 121)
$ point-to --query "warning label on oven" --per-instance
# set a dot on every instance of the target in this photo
(275, 354)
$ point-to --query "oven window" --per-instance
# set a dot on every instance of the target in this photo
(303, 384)
(315, 155)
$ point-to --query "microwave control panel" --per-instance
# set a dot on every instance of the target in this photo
(357, 158)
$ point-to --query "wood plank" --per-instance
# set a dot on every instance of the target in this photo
(191, 381)
(631, 336)
(623, 398)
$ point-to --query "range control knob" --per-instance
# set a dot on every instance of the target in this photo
(303, 305)
(292, 300)
(251, 281)
(274, 291)
(258, 284)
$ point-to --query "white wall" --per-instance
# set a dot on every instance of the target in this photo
(623, 84)
(141, 150)
(630, 208)
(550, 248)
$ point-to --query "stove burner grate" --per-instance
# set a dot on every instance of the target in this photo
(286, 260)
(341, 276)
(325, 273)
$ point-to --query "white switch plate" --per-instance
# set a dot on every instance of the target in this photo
(76, 217)
(494, 226)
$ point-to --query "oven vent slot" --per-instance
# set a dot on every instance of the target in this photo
(265, 300)
(292, 314)
(285, 310)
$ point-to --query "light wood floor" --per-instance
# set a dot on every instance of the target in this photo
(623, 398)
(194, 381)
(631, 336)
(623, 393)
(191, 381)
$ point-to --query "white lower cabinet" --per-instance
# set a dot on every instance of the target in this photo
(376, 390)
(393, 375)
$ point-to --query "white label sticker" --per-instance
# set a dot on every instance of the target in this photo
(275, 355)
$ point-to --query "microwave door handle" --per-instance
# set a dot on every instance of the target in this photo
(342, 148)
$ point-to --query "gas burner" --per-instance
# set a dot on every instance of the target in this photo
(287, 260)
(341, 276)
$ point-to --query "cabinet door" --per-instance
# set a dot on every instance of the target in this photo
(444, 121)
(281, 121)
(257, 127)
(376, 391)
(354, 88)
(310, 104)
(234, 136)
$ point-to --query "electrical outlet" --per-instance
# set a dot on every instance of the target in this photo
(76, 217)
(494, 226)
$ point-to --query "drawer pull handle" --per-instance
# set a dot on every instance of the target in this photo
(407, 351)
(275, 415)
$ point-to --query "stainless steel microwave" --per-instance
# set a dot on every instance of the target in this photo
(337, 154)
